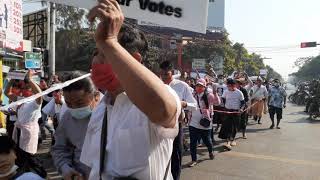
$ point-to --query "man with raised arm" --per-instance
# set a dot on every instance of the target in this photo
(131, 132)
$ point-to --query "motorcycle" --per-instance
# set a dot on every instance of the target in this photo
(314, 109)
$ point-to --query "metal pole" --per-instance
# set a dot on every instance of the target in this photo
(179, 39)
(52, 59)
(45, 66)
(49, 24)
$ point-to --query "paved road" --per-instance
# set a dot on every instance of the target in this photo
(291, 153)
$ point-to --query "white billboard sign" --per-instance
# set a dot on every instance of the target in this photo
(11, 28)
(216, 14)
(189, 15)
(263, 72)
(199, 64)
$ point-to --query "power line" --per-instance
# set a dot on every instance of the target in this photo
(272, 47)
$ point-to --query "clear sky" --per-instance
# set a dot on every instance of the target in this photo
(278, 26)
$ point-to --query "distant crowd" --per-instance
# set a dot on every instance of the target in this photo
(125, 122)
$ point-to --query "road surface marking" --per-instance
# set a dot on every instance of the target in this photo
(272, 158)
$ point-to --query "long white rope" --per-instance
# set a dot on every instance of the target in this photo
(50, 90)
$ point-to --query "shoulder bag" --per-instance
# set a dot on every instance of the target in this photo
(205, 122)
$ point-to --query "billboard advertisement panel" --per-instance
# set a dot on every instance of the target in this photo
(216, 14)
(11, 31)
(182, 14)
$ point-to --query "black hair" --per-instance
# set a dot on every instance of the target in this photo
(231, 81)
(166, 66)
(220, 76)
(205, 98)
(133, 40)
(85, 84)
(7, 145)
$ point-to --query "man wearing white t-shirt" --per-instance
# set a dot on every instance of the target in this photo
(188, 102)
(138, 117)
(234, 103)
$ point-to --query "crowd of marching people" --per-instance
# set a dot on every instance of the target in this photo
(125, 122)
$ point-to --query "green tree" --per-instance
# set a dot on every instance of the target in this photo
(74, 43)
(272, 74)
(302, 61)
(309, 70)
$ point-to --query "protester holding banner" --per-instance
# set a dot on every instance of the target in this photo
(259, 97)
(81, 98)
(201, 122)
(188, 103)
(26, 128)
(43, 121)
(55, 107)
(12, 91)
(234, 103)
(138, 118)
(220, 88)
(240, 84)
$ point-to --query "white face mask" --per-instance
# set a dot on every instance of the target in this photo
(11, 171)
(81, 113)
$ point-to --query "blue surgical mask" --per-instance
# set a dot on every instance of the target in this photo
(81, 113)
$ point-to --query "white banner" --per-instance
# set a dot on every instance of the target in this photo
(189, 15)
(17, 75)
(53, 88)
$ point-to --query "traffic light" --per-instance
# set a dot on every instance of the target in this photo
(308, 44)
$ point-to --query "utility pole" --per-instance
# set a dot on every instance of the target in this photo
(49, 24)
(52, 50)
(179, 40)
(45, 64)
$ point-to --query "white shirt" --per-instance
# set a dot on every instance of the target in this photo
(184, 92)
(29, 112)
(28, 115)
(136, 147)
(233, 99)
(13, 118)
(29, 176)
(205, 112)
(259, 93)
(47, 98)
(52, 108)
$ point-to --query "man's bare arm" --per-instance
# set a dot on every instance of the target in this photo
(143, 87)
